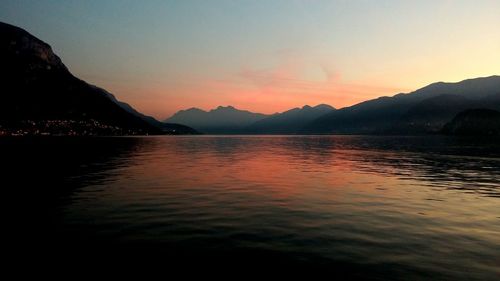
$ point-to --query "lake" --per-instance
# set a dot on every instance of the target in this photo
(369, 207)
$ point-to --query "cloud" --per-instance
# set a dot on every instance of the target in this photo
(285, 86)
(288, 79)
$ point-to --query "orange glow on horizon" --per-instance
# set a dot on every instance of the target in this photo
(262, 93)
(292, 81)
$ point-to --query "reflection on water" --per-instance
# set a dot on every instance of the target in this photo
(402, 208)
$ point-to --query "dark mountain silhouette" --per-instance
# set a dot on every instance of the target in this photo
(222, 120)
(475, 122)
(170, 128)
(422, 111)
(40, 95)
(289, 122)
(431, 114)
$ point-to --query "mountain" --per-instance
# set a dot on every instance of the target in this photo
(475, 122)
(40, 95)
(430, 115)
(169, 128)
(222, 120)
(289, 122)
(422, 111)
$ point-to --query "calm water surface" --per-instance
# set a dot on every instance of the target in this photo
(388, 208)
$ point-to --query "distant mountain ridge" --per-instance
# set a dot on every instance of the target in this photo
(229, 120)
(217, 121)
(423, 111)
(40, 95)
(289, 122)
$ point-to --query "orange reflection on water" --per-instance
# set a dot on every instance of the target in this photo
(331, 195)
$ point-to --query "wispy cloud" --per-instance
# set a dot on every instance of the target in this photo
(285, 86)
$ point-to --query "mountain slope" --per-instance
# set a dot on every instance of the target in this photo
(40, 95)
(475, 122)
(429, 115)
(387, 114)
(222, 120)
(170, 128)
(289, 122)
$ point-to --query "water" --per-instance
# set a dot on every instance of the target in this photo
(388, 208)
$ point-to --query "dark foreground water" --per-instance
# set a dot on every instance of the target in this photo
(388, 208)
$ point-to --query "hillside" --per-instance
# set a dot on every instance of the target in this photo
(41, 96)
(422, 111)
(475, 122)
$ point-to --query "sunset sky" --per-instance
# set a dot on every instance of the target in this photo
(262, 55)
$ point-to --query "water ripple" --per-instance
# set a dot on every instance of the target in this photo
(371, 206)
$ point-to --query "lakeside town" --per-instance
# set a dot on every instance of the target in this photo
(90, 127)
